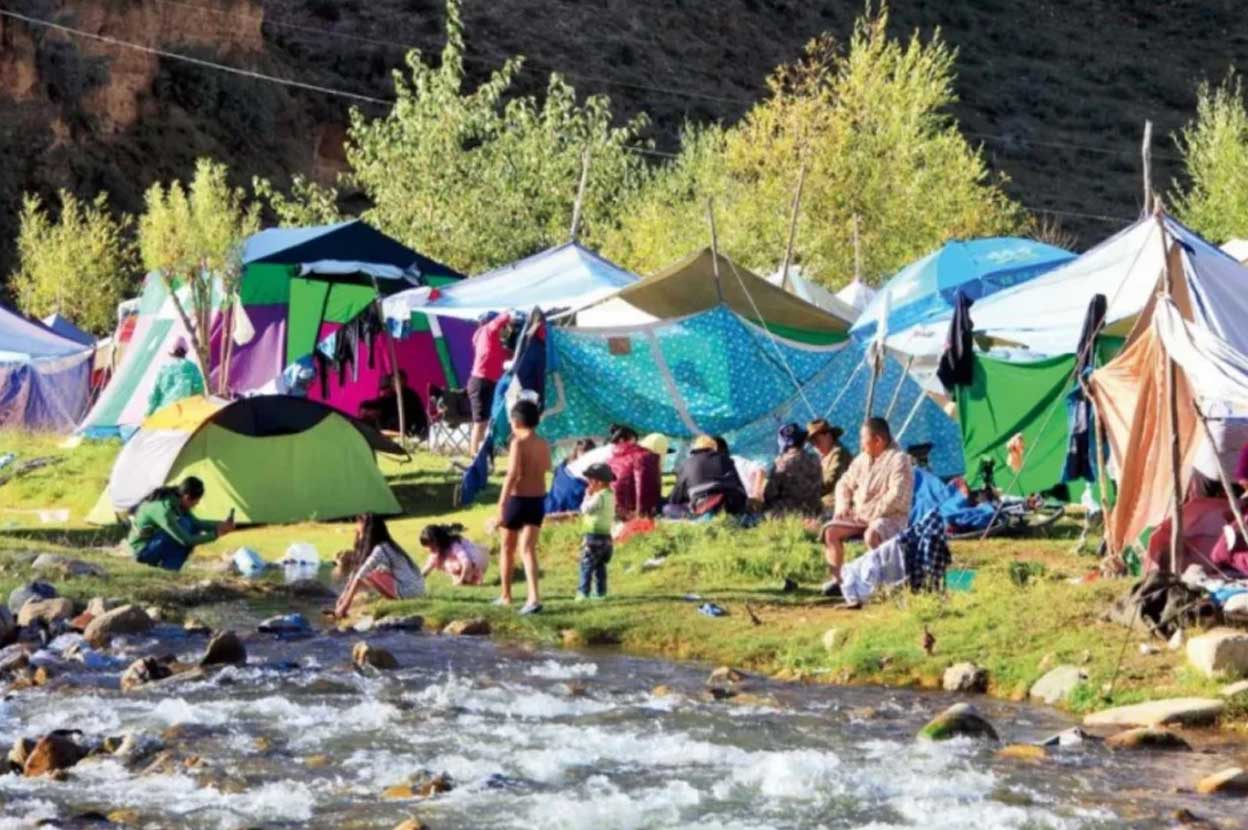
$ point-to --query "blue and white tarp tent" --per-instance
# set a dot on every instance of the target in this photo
(915, 306)
(65, 328)
(565, 277)
(45, 378)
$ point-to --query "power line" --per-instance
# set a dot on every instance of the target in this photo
(246, 73)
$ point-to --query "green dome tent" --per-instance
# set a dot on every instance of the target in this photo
(272, 459)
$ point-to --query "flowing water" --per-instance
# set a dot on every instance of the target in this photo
(559, 740)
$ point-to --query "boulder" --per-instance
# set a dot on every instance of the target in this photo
(1058, 684)
(834, 639)
(965, 677)
(725, 675)
(142, 671)
(404, 622)
(476, 627)
(961, 719)
(1187, 711)
(128, 619)
(38, 589)
(1146, 737)
(1230, 781)
(1222, 652)
(19, 752)
(98, 606)
(412, 823)
(224, 649)
(368, 656)
(52, 753)
(46, 610)
(8, 627)
(67, 566)
(1234, 689)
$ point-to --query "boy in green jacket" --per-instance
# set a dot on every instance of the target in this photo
(163, 530)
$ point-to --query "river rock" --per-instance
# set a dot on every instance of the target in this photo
(369, 656)
(965, 677)
(18, 753)
(8, 627)
(1230, 781)
(38, 589)
(475, 627)
(134, 749)
(287, 625)
(224, 649)
(1187, 711)
(98, 606)
(412, 823)
(961, 719)
(1058, 684)
(1221, 652)
(46, 610)
(726, 675)
(52, 753)
(1234, 689)
(128, 619)
(403, 622)
(1024, 752)
(67, 566)
(1068, 737)
(13, 662)
(834, 639)
(1145, 737)
(143, 671)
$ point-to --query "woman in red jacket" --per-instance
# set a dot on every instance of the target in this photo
(638, 475)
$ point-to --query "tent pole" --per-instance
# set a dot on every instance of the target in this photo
(901, 381)
(1147, 152)
(1222, 476)
(1172, 391)
(873, 359)
(580, 195)
(394, 364)
(797, 206)
(719, 288)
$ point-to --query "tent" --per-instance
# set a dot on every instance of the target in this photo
(1237, 249)
(704, 281)
(270, 459)
(857, 295)
(63, 327)
(814, 293)
(44, 377)
(915, 306)
(565, 277)
(1195, 302)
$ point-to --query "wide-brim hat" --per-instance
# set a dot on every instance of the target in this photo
(821, 427)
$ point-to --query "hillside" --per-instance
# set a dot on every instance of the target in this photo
(1056, 90)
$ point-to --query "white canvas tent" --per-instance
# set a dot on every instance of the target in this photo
(814, 293)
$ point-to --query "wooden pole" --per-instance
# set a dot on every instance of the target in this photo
(1147, 153)
(797, 205)
(1176, 472)
(901, 381)
(394, 363)
(580, 195)
(227, 346)
(710, 214)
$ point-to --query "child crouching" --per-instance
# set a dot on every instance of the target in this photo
(597, 516)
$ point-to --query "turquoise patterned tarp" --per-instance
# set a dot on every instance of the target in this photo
(716, 373)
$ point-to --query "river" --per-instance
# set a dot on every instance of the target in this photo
(557, 739)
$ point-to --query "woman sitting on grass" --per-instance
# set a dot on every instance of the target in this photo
(449, 551)
(377, 564)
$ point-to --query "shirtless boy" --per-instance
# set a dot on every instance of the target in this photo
(521, 505)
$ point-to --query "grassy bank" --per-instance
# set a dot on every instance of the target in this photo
(1015, 631)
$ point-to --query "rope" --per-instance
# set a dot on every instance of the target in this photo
(774, 340)
(849, 383)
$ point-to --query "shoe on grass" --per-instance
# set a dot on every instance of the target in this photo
(832, 589)
(502, 602)
(598, 597)
(581, 596)
(535, 608)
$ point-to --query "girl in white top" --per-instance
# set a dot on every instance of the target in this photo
(382, 566)
(449, 551)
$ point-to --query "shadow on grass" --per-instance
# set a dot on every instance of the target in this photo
(430, 493)
(87, 537)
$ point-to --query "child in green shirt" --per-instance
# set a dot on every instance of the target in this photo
(597, 516)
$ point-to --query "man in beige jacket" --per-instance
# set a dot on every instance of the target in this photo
(872, 498)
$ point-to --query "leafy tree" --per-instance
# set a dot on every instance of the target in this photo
(1215, 158)
(79, 263)
(309, 203)
(193, 237)
(478, 178)
(870, 125)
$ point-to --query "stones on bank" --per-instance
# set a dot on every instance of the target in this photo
(1185, 711)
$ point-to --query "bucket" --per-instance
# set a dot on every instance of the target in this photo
(301, 562)
(248, 562)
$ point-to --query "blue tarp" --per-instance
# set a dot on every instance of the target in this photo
(353, 240)
(44, 378)
(924, 291)
(62, 326)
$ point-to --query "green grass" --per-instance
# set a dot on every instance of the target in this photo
(1011, 629)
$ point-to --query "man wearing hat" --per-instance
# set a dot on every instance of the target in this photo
(179, 378)
(707, 482)
(833, 457)
(597, 517)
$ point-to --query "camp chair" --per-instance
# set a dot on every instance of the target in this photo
(450, 420)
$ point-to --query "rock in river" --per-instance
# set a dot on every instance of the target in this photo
(52, 753)
(367, 656)
(476, 627)
(961, 719)
(965, 677)
(143, 671)
(128, 619)
(1147, 738)
(1058, 684)
(48, 610)
(224, 649)
(1188, 711)
(1230, 781)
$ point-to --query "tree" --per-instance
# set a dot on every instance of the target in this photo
(78, 264)
(870, 124)
(193, 239)
(309, 203)
(477, 178)
(1214, 145)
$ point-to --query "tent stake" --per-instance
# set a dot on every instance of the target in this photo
(394, 364)
(719, 288)
(797, 206)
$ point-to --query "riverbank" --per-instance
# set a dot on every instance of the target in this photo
(1014, 631)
